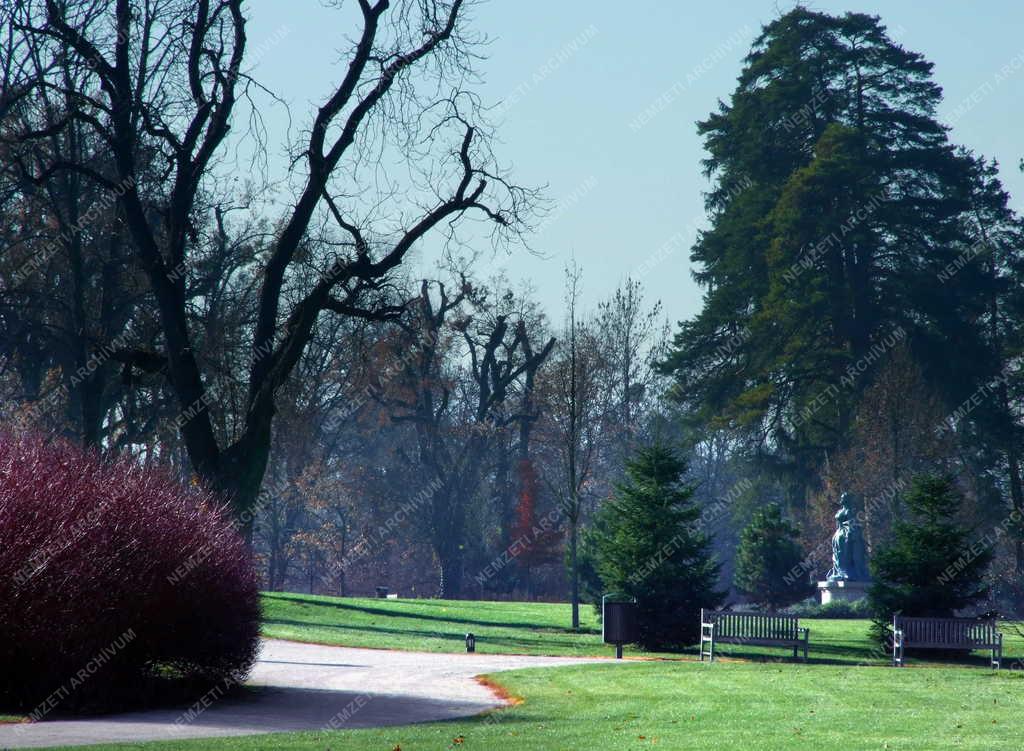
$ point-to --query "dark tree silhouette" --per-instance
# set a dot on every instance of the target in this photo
(168, 78)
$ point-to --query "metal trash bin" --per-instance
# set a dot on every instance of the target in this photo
(618, 622)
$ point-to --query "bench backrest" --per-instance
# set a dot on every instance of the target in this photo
(946, 630)
(752, 625)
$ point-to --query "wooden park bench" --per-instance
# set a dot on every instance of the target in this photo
(758, 629)
(945, 633)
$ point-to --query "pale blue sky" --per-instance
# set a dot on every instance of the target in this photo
(628, 197)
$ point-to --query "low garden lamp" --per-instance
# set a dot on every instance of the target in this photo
(470, 643)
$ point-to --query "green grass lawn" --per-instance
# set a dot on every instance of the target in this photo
(676, 705)
(523, 628)
(432, 625)
(844, 698)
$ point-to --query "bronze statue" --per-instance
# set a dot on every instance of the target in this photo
(849, 554)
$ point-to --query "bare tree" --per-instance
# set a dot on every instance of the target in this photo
(576, 420)
(458, 409)
(633, 337)
(899, 430)
(166, 77)
(67, 298)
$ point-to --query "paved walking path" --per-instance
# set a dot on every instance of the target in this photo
(305, 687)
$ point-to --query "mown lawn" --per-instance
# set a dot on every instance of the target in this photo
(523, 628)
(432, 625)
(844, 698)
(677, 705)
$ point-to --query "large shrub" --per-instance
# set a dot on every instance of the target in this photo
(114, 582)
(932, 566)
(646, 545)
(767, 554)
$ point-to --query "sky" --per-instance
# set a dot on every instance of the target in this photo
(599, 102)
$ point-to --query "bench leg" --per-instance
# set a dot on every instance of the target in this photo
(709, 639)
(997, 654)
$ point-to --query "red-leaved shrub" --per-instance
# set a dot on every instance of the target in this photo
(114, 579)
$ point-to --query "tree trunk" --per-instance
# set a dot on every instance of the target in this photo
(451, 564)
(240, 473)
(574, 573)
(91, 405)
(506, 500)
(1017, 498)
(273, 567)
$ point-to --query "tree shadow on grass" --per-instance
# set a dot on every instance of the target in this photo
(397, 613)
(313, 664)
(852, 656)
(483, 640)
(259, 709)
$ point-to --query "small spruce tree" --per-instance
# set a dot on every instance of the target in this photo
(767, 555)
(929, 567)
(647, 546)
(591, 586)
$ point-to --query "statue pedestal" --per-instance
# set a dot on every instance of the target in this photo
(842, 590)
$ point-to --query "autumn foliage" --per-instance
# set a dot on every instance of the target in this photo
(536, 536)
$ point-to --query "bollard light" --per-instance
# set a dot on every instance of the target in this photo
(470, 643)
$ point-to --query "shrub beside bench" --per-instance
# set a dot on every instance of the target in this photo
(756, 629)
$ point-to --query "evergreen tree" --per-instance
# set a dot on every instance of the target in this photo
(837, 202)
(647, 546)
(996, 428)
(767, 554)
(932, 566)
(591, 586)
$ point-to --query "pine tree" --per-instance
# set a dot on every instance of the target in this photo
(767, 555)
(591, 537)
(932, 566)
(647, 547)
(998, 421)
(837, 204)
